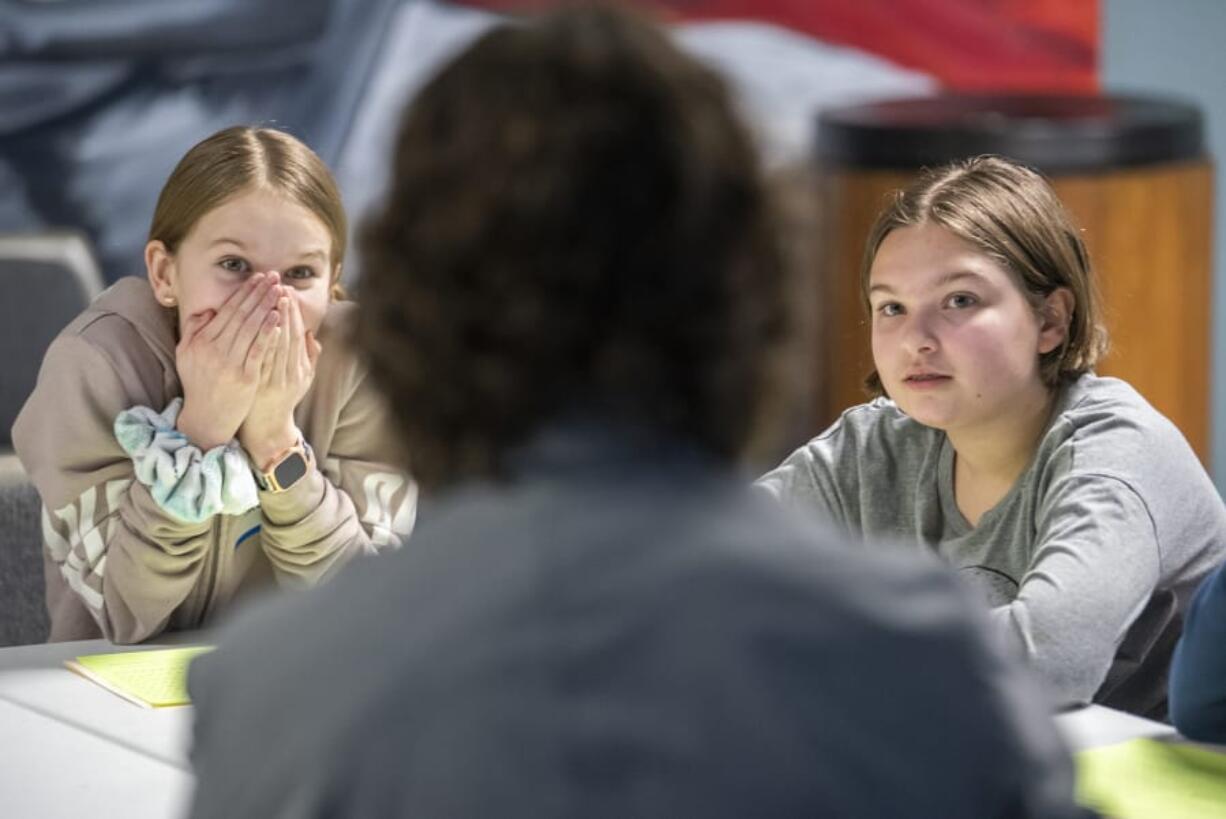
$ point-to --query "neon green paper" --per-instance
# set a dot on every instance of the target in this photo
(1146, 779)
(157, 677)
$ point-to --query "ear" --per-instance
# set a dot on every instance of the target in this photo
(1055, 314)
(160, 266)
(336, 290)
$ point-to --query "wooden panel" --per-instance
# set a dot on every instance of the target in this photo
(1149, 232)
(1150, 238)
(850, 204)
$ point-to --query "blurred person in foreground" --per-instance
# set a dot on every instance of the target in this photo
(1198, 669)
(575, 301)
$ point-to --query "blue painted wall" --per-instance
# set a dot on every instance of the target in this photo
(1179, 48)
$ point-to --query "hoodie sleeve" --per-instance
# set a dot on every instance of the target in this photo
(355, 501)
(127, 560)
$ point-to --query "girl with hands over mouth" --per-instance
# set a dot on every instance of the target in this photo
(208, 431)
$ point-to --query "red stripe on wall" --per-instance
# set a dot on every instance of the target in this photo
(979, 45)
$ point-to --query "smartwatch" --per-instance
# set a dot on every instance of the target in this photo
(286, 469)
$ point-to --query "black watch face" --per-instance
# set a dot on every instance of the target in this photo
(290, 470)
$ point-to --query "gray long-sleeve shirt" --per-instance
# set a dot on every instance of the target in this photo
(1090, 559)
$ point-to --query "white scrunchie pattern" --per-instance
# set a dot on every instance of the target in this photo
(190, 486)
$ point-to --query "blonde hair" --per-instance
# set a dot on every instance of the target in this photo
(1011, 214)
(242, 158)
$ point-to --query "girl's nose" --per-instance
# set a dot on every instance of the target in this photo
(919, 338)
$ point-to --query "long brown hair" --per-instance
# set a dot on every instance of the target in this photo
(1011, 214)
(242, 158)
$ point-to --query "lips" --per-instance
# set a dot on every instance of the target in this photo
(919, 381)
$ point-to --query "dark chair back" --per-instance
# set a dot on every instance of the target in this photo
(46, 279)
(23, 610)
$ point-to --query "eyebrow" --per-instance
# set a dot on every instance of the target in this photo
(225, 240)
(941, 282)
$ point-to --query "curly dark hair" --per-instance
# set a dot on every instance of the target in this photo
(577, 221)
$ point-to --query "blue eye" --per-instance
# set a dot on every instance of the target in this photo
(234, 264)
(890, 308)
(962, 300)
(300, 273)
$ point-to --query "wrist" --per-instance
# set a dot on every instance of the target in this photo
(202, 433)
(264, 445)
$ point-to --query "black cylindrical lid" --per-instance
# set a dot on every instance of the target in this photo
(1050, 132)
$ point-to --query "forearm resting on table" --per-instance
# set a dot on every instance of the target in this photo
(1068, 662)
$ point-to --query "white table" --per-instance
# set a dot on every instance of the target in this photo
(70, 748)
(1095, 726)
(50, 768)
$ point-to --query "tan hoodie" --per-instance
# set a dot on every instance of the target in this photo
(120, 566)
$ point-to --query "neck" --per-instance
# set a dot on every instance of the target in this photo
(1000, 450)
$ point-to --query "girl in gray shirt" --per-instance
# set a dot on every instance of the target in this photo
(1079, 510)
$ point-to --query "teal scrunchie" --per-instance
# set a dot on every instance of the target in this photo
(190, 486)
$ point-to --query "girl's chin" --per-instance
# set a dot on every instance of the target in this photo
(939, 425)
(927, 416)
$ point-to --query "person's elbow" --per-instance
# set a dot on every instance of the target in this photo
(1071, 668)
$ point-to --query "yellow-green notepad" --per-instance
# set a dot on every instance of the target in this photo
(154, 678)
(1146, 779)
